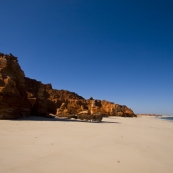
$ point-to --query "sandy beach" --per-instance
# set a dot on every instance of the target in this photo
(133, 145)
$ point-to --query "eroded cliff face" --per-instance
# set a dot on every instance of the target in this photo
(36, 95)
(112, 109)
(21, 96)
(55, 98)
(13, 98)
(46, 100)
(109, 108)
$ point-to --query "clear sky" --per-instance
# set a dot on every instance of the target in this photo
(117, 50)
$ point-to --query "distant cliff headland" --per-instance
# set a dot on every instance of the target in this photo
(21, 96)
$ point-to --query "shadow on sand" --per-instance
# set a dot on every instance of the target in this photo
(35, 118)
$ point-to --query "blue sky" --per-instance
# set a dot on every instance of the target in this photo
(121, 51)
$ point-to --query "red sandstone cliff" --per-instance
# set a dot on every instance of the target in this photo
(46, 100)
(13, 98)
(36, 95)
(20, 96)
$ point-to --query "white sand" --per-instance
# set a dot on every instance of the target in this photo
(132, 145)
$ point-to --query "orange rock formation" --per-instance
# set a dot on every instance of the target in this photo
(13, 98)
(21, 96)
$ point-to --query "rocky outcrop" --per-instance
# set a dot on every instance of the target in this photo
(55, 98)
(45, 100)
(36, 95)
(112, 109)
(13, 98)
(21, 96)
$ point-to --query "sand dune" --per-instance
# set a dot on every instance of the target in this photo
(133, 145)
